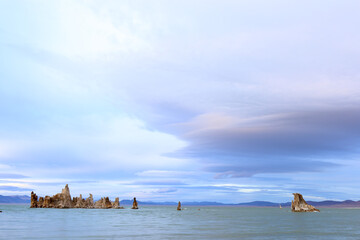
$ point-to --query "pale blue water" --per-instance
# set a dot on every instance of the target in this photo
(160, 222)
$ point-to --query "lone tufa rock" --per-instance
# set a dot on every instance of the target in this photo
(300, 205)
(179, 206)
(135, 205)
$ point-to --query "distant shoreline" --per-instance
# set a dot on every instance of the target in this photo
(24, 200)
(222, 205)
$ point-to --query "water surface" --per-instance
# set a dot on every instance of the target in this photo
(164, 222)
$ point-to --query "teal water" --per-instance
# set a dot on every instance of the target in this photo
(163, 222)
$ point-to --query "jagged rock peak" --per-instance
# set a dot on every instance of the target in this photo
(65, 197)
(116, 203)
(66, 190)
(89, 202)
(34, 200)
(103, 203)
(300, 205)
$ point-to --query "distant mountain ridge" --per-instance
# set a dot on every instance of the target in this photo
(328, 203)
(340, 204)
(15, 199)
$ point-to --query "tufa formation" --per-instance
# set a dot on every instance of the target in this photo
(179, 206)
(135, 205)
(300, 205)
(63, 200)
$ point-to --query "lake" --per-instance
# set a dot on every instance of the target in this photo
(164, 222)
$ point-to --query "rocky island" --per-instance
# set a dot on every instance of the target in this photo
(63, 200)
(300, 205)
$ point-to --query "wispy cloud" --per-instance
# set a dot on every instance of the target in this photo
(164, 173)
(165, 190)
(158, 182)
(11, 176)
(13, 188)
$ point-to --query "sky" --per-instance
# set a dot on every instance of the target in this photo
(228, 101)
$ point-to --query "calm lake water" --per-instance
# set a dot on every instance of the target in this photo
(163, 222)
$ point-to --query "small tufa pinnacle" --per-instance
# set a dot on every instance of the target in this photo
(179, 206)
(135, 205)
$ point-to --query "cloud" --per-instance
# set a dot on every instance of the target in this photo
(95, 146)
(237, 170)
(158, 182)
(13, 188)
(165, 190)
(84, 33)
(11, 176)
(292, 142)
(164, 173)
